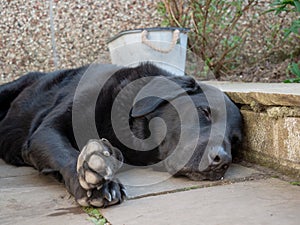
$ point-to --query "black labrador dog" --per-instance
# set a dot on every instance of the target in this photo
(82, 125)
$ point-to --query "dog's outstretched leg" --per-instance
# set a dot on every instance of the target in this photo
(88, 175)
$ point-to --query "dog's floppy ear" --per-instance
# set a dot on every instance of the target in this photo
(160, 89)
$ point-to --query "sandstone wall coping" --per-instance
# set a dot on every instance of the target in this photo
(269, 94)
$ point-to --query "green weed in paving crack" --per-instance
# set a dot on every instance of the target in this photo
(95, 216)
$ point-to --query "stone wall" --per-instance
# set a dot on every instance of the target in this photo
(81, 30)
(271, 115)
(273, 142)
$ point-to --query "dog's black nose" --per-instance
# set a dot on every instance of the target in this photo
(218, 157)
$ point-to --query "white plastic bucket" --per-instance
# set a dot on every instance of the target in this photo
(164, 47)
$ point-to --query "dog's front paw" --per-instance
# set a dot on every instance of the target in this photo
(96, 166)
(111, 193)
(97, 163)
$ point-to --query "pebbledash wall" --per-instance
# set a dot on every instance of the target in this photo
(80, 30)
(271, 114)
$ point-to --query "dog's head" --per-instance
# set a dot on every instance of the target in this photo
(198, 126)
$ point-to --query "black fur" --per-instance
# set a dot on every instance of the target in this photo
(36, 121)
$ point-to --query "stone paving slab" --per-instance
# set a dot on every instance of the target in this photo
(39, 205)
(28, 198)
(270, 201)
(13, 171)
(144, 182)
(36, 180)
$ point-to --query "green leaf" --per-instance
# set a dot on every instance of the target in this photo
(294, 68)
(297, 183)
(297, 4)
(95, 216)
(97, 221)
(293, 80)
(294, 28)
